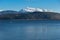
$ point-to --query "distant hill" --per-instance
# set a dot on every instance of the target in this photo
(9, 14)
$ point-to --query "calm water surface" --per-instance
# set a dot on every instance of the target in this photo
(29, 30)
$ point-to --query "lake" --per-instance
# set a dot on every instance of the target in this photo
(29, 30)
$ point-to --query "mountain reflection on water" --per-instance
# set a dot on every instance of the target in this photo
(29, 30)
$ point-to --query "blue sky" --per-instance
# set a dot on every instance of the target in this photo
(18, 4)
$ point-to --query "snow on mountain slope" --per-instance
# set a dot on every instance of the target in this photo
(29, 9)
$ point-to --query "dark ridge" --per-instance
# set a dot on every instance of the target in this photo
(9, 14)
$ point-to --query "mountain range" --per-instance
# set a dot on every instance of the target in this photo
(30, 14)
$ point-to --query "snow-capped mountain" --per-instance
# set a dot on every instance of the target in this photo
(30, 13)
(30, 9)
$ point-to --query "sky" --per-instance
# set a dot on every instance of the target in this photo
(19, 4)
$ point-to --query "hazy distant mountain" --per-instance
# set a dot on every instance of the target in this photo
(30, 13)
(8, 12)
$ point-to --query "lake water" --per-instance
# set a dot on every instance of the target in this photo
(29, 30)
